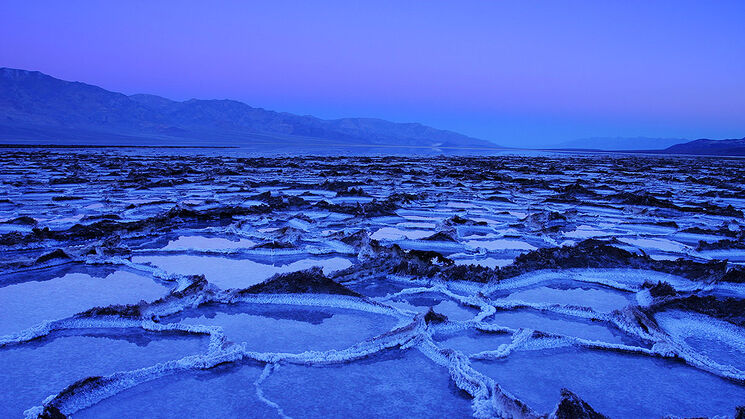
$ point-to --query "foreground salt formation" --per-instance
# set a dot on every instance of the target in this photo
(485, 287)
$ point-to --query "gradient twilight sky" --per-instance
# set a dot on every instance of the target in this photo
(519, 73)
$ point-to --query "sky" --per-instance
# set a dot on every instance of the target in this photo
(518, 73)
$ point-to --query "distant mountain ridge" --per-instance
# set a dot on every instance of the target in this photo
(35, 107)
(620, 143)
(731, 147)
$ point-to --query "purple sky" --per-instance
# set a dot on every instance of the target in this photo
(528, 73)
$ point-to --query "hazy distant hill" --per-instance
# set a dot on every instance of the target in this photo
(620, 143)
(733, 147)
(35, 107)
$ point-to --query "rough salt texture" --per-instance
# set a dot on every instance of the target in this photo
(458, 240)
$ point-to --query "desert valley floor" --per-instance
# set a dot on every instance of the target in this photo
(183, 284)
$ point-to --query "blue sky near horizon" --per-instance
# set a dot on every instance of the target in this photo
(519, 73)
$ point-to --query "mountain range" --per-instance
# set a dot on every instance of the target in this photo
(620, 143)
(38, 108)
(731, 147)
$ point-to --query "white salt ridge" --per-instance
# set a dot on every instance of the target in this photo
(489, 399)
(560, 325)
(603, 301)
(478, 236)
(299, 224)
(207, 243)
(483, 231)
(500, 244)
(585, 232)
(319, 300)
(664, 245)
(423, 214)
(646, 229)
(518, 214)
(622, 279)
(681, 325)
(393, 234)
(235, 273)
(268, 369)
(569, 310)
(416, 225)
(347, 200)
(280, 252)
(437, 246)
(333, 246)
(462, 205)
(432, 220)
(488, 262)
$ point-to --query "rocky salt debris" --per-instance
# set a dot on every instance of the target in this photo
(429, 257)
(722, 230)
(572, 407)
(53, 258)
(358, 239)
(432, 317)
(590, 253)
(735, 274)
(339, 186)
(721, 244)
(577, 188)
(281, 202)
(108, 247)
(98, 217)
(311, 281)
(643, 199)
(353, 192)
(69, 180)
(81, 387)
(457, 220)
(22, 220)
(549, 222)
(275, 245)
(660, 289)
(58, 255)
(646, 199)
(287, 234)
(124, 311)
(374, 208)
(417, 263)
(177, 216)
(442, 236)
(471, 273)
(712, 209)
(51, 412)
